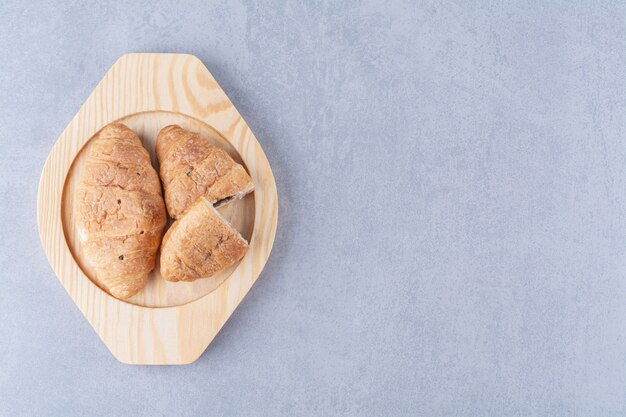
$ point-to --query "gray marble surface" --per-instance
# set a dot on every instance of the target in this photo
(452, 184)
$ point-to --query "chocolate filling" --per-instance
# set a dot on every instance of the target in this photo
(223, 201)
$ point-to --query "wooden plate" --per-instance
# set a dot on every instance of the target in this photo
(166, 323)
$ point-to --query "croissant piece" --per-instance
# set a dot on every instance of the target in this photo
(120, 211)
(200, 244)
(191, 168)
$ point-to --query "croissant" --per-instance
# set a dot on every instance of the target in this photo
(120, 211)
(191, 167)
(200, 244)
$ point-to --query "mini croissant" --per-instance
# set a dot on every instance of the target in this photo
(191, 168)
(200, 244)
(120, 211)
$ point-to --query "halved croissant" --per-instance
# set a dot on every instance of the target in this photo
(120, 210)
(200, 244)
(191, 167)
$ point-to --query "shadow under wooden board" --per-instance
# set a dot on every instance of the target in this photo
(166, 323)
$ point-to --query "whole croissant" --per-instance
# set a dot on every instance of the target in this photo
(120, 210)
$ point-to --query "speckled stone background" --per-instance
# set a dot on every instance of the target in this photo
(452, 229)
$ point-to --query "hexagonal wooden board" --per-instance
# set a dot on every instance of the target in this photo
(166, 323)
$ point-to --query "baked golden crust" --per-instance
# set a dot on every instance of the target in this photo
(191, 168)
(119, 209)
(200, 244)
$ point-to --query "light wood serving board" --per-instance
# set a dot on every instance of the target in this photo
(166, 323)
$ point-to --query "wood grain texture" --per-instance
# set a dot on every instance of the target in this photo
(167, 323)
